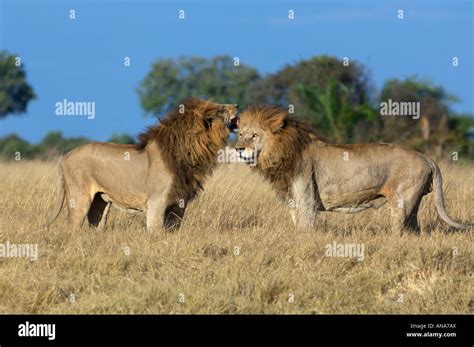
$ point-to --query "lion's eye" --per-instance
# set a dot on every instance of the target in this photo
(240, 134)
(254, 136)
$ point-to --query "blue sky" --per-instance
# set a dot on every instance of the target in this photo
(82, 59)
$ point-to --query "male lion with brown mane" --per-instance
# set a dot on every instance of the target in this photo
(317, 176)
(159, 175)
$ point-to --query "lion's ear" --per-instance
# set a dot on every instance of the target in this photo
(208, 121)
(277, 122)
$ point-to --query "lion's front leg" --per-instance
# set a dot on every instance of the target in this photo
(174, 215)
(159, 187)
(157, 204)
(304, 214)
(155, 212)
(163, 214)
(303, 205)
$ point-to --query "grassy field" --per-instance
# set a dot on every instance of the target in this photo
(237, 252)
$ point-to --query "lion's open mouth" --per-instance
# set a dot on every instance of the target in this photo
(234, 123)
(247, 159)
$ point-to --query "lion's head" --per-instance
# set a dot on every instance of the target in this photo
(189, 138)
(273, 140)
(193, 116)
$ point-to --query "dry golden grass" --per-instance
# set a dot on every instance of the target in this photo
(237, 252)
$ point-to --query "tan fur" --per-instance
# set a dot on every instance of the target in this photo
(159, 175)
(312, 175)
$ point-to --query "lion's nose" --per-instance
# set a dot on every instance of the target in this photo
(239, 149)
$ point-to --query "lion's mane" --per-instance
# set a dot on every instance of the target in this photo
(281, 161)
(189, 143)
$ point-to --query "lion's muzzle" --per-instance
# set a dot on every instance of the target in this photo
(232, 119)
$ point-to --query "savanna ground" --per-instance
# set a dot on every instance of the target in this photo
(237, 252)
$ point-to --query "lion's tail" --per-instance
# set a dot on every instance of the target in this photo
(439, 197)
(61, 193)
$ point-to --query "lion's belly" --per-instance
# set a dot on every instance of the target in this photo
(356, 199)
(351, 188)
(126, 201)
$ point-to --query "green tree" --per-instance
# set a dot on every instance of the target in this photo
(12, 144)
(171, 80)
(54, 144)
(15, 92)
(53, 139)
(285, 86)
(125, 139)
(334, 115)
(436, 126)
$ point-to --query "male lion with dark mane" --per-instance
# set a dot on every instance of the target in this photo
(317, 176)
(159, 175)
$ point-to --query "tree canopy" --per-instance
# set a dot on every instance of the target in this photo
(336, 96)
(284, 86)
(15, 92)
(170, 81)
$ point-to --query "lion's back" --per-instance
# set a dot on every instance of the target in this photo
(118, 170)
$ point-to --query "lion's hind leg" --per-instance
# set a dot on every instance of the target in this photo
(404, 205)
(411, 223)
(98, 211)
(103, 221)
(78, 207)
